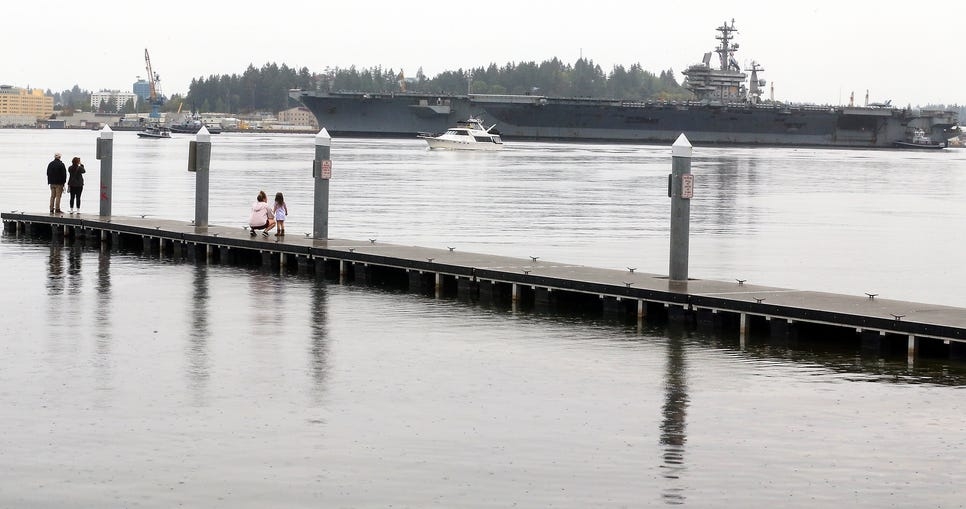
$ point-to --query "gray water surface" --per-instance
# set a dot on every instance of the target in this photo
(129, 381)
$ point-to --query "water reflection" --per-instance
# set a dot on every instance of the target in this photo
(848, 364)
(197, 347)
(263, 293)
(318, 343)
(75, 256)
(674, 411)
(721, 181)
(55, 276)
(725, 180)
(102, 327)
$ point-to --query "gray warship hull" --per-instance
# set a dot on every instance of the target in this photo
(602, 120)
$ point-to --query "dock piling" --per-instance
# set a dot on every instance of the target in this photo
(105, 154)
(680, 190)
(199, 160)
(321, 173)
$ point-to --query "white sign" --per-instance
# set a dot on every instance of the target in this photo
(687, 186)
(327, 169)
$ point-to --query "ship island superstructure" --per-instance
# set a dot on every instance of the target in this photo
(727, 109)
(726, 83)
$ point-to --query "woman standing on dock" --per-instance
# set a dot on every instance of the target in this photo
(75, 184)
(261, 218)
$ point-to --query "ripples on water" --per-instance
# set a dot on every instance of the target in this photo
(845, 221)
(159, 383)
(142, 382)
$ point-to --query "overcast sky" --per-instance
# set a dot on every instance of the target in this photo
(812, 51)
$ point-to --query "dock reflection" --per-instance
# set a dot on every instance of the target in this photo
(103, 328)
(319, 341)
(674, 426)
(55, 274)
(199, 371)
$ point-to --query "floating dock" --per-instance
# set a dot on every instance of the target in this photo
(880, 326)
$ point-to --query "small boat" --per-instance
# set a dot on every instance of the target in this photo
(154, 131)
(917, 139)
(467, 135)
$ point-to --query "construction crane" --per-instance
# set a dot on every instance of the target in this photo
(154, 81)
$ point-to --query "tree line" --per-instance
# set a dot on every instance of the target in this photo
(552, 77)
(265, 89)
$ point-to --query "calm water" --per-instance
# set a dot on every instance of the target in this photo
(137, 382)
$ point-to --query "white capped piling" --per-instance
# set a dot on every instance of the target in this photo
(199, 160)
(680, 190)
(105, 154)
(321, 173)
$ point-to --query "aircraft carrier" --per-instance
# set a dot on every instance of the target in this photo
(727, 110)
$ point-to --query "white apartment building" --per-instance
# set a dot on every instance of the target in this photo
(113, 97)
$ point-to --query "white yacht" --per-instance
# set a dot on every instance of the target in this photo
(467, 135)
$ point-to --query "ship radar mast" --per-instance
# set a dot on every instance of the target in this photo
(726, 50)
(755, 89)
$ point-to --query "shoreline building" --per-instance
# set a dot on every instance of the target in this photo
(142, 89)
(298, 117)
(114, 98)
(19, 106)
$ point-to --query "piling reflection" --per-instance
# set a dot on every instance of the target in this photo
(727, 179)
(55, 274)
(102, 326)
(263, 292)
(318, 343)
(197, 347)
(74, 260)
(673, 425)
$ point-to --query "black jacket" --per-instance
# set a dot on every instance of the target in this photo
(76, 175)
(56, 173)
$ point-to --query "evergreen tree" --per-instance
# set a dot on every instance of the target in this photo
(266, 88)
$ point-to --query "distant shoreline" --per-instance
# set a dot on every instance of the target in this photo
(122, 129)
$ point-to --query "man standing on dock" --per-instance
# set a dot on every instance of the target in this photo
(56, 178)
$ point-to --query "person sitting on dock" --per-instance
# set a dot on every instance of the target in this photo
(261, 218)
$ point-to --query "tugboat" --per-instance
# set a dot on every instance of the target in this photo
(467, 135)
(154, 131)
(917, 139)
